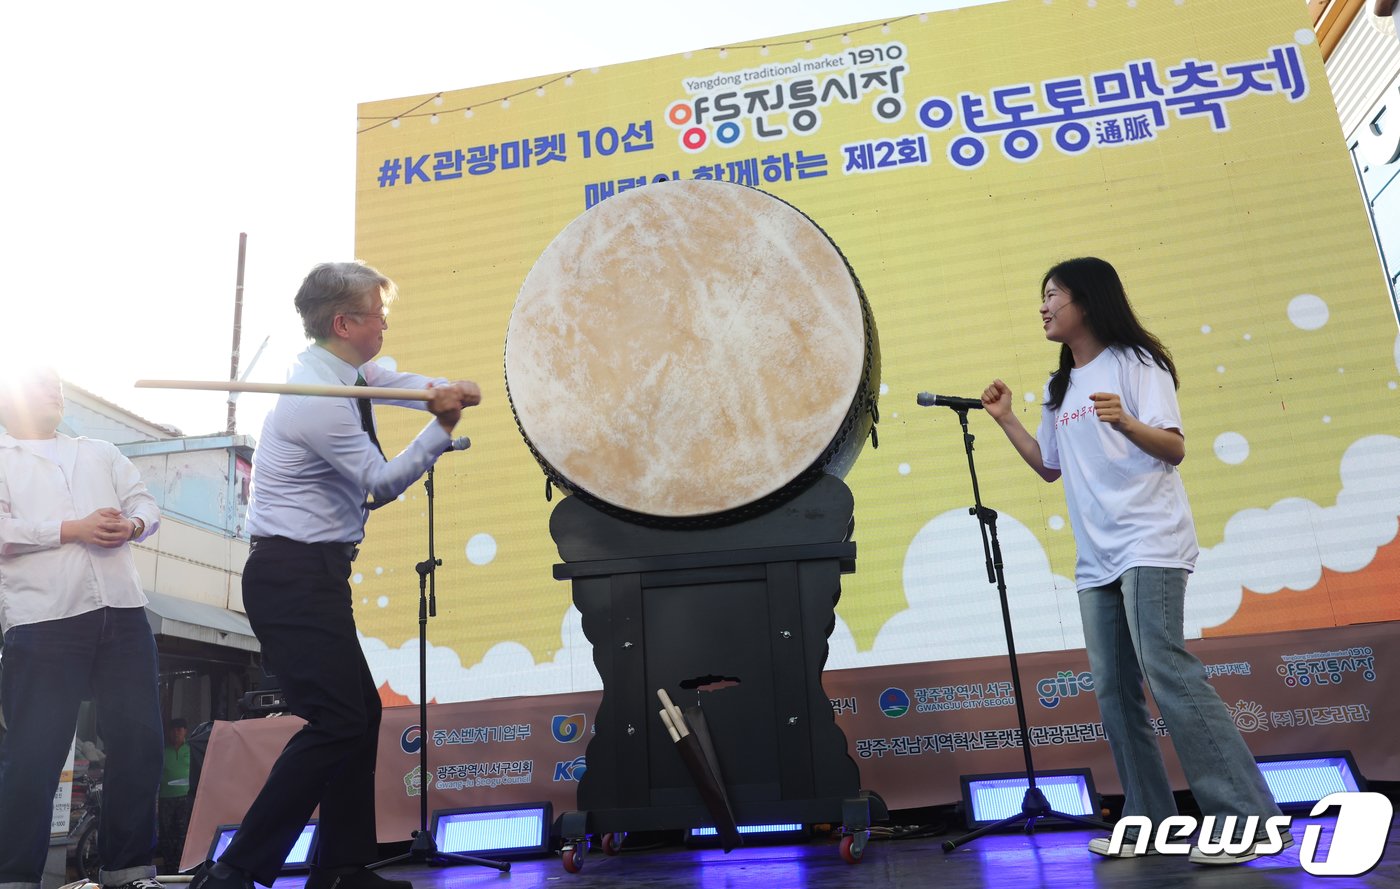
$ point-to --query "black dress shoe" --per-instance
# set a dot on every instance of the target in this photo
(349, 878)
(217, 875)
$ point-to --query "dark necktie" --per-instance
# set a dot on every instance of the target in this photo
(367, 417)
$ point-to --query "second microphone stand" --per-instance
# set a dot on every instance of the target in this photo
(1034, 805)
(424, 849)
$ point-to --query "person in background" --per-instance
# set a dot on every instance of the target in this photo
(74, 621)
(174, 794)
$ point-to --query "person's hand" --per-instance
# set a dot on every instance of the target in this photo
(445, 403)
(1108, 407)
(448, 400)
(102, 527)
(996, 398)
(461, 394)
(470, 392)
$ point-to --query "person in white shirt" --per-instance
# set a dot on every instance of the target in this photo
(74, 622)
(1111, 427)
(317, 471)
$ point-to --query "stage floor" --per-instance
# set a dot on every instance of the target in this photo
(1049, 858)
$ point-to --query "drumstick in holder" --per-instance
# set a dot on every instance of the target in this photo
(673, 711)
(670, 726)
(703, 773)
(381, 392)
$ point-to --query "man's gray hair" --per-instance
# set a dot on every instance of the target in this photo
(336, 288)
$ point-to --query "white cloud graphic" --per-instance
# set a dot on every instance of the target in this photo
(1287, 545)
(481, 549)
(507, 670)
(1232, 448)
(955, 613)
(1308, 311)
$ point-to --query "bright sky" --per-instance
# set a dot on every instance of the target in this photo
(142, 138)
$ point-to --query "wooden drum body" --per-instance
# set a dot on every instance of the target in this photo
(692, 352)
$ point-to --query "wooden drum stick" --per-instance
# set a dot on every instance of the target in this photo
(677, 719)
(380, 392)
(670, 726)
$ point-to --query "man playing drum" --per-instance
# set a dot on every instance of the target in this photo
(317, 465)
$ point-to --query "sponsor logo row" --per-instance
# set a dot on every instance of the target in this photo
(1296, 670)
(566, 729)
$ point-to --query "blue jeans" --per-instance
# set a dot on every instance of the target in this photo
(1133, 628)
(49, 669)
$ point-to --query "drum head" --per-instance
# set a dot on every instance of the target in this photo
(687, 348)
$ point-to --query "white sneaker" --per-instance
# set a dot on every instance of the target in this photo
(1198, 856)
(1100, 846)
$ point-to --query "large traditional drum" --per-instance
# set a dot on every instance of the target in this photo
(692, 351)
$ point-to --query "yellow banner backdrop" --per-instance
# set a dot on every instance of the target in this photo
(953, 157)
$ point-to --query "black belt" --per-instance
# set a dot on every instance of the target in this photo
(348, 550)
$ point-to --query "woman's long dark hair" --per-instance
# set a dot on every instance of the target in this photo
(1095, 286)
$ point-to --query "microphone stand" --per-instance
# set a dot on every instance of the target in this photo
(424, 849)
(1034, 805)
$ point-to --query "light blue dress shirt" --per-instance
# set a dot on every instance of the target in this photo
(314, 466)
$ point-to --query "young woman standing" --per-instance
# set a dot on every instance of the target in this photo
(1111, 427)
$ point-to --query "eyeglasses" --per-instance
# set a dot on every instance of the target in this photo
(381, 317)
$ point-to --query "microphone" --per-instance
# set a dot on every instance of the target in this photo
(461, 443)
(928, 399)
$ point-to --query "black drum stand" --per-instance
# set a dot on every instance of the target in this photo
(734, 618)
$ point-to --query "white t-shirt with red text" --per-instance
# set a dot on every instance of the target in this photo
(1128, 509)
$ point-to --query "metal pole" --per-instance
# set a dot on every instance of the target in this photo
(237, 328)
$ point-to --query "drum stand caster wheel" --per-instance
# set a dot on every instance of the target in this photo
(612, 843)
(853, 846)
(572, 856)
